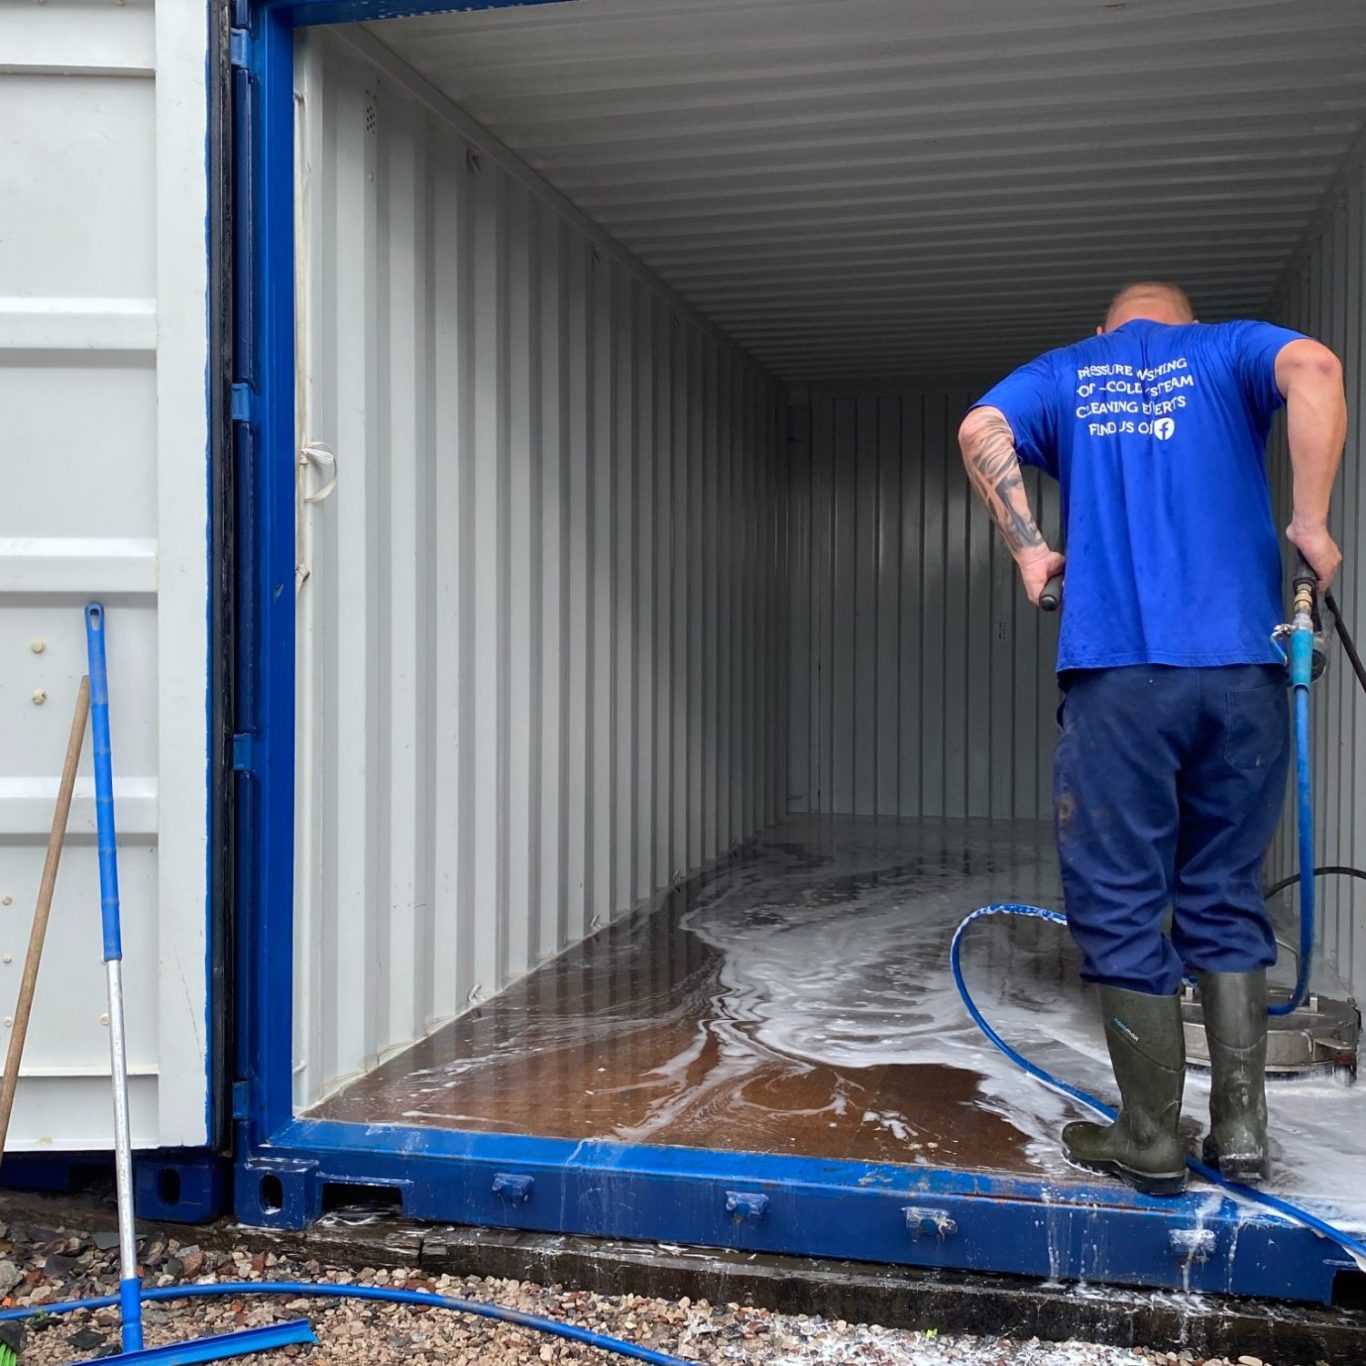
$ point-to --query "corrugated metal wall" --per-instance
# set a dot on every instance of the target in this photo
(1325, 296)
(539, 631)
(852, 189)
(919, 676)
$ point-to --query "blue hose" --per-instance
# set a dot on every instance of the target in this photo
(419, 1298)
(1350, 1244)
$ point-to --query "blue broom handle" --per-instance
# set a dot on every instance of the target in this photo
(104, 782)
(130, 1285)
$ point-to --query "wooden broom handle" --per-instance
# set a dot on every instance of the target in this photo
(56, 838)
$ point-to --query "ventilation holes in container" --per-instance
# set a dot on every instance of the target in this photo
(371, 118)
(272, 1194)
(361, 1202)
(168, 1186)
(1349, 1290)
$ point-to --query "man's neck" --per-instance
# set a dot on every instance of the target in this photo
(1154, 316)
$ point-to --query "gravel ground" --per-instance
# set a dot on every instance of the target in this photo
(40, 1265)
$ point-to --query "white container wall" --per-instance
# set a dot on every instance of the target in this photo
(539, 622)
(1324, 294)
(103, 460)
(920, 678)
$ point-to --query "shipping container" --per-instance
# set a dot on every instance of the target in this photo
(568, 695)
(104, 352)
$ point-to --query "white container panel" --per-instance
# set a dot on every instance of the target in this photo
(103, 358)
(59, 244)
(66, 494)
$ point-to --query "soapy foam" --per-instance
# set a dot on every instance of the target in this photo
(843, 962)
(823, 958)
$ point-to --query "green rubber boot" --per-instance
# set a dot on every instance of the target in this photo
(12, 1337)
(1148, 1052)
(1234, 1005)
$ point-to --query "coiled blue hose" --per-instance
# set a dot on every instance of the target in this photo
(1353, 1246)
(311, 1290)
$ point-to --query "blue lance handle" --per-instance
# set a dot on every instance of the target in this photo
(104, 782)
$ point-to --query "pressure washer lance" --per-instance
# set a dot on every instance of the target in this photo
(1302, 633)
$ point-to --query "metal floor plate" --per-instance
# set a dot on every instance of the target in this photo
(1318, 1040)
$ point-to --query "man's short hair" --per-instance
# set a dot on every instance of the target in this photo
(1173, 294)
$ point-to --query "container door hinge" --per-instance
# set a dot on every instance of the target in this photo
(244, 752)
(243, 403)
(241, 1099)
(239, 41)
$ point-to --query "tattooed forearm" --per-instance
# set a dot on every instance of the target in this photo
(994, 468)
(1011, 510)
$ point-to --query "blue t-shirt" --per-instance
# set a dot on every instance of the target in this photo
(1157, 435)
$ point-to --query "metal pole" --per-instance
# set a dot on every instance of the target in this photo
(130, 1285)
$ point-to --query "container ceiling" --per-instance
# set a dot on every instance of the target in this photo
(881, 188)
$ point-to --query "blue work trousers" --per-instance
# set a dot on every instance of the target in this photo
(1167, 786)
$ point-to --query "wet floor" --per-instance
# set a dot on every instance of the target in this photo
(796, 999)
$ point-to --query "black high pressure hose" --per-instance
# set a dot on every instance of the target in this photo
(1330, 602)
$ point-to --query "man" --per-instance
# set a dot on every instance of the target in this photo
(1171, 765)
